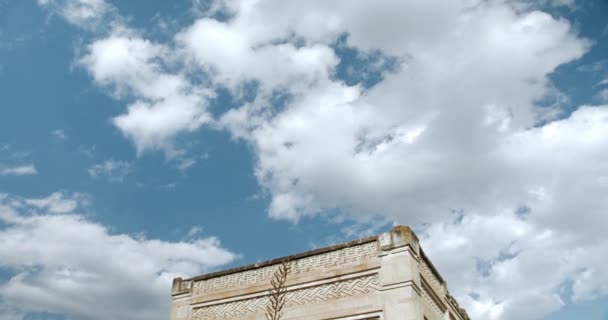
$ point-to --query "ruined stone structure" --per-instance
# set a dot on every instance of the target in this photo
(383, 277)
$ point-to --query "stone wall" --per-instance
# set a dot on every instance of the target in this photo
(381, 277)
(315, 263)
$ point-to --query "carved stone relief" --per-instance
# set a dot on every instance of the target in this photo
(429, 275)
(437, 312)
(349, 255)
(329, 291)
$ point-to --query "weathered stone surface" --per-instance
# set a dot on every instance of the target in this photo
(313, 263)
(380, 277)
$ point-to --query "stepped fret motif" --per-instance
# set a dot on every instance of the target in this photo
(430, 277)
(433, 306)
(385, 276)
(330, 291)
(184, 286)
(354, 254)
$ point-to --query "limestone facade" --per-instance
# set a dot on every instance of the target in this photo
(383, 277)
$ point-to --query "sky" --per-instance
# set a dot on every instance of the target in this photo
(145, 140)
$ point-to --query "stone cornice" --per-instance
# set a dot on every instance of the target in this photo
(378, 263)
(285, 258)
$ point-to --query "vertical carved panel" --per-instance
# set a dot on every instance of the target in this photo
(437, 312)
(430, 277)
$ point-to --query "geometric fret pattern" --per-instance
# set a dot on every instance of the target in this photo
(331, 291)
(430, 277)
(438, 314)
(349, 255)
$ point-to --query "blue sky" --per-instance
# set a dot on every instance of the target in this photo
(187, 136)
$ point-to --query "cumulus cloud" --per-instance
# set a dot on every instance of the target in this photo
(114, 171)
(515, 267)
(453, 140)
(456, 130)
(119, 58)
(166, 103)
(63, 263)
(401, 142)
(239, 56)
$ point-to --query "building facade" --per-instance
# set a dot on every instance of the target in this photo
(384, 277)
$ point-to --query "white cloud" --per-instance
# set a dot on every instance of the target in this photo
(21, 170)
(508, 261)
(456, 128)
(558, 3)
(602, 95)
(88, 14)
(185, 164)
(594, 67)
(83, 11)
(87, 151)
(154, 125)
(194, 231)
(114, 171)
(401, 143)
(15, 162)
(128, 62)
(59, 135)
(63, 263)
(166, 103)
(232, 55)
(58, 202)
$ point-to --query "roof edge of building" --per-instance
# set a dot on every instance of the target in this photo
(406, 234)
(285, 258)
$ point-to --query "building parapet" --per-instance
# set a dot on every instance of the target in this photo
(378, 276)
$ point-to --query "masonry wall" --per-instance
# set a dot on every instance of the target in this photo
(381, 277)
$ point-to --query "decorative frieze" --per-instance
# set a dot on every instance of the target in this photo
(430, 277)
(304, 296)
(437, 312)
(349, 255)
(184, 286)
(387, 276)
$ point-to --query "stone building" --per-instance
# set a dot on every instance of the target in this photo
(383, 277)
